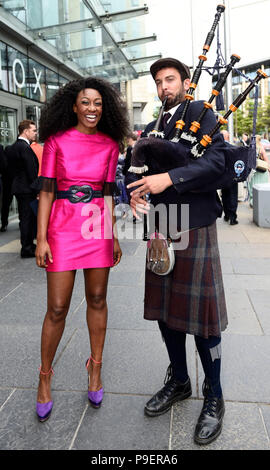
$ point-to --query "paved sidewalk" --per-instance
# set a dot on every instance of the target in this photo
(135, 359)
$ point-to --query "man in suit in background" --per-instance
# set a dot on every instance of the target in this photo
(25, 166)
(190, 299)
(244, 141)
(6, 192)
(3, 164)
(132, 139)
(229, 195)
(129, 177)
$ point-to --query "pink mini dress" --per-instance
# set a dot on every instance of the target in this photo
(80, 234)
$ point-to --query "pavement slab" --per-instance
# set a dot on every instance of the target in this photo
(135, 358)
(243, 427)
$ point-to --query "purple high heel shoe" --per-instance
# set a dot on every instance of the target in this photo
(95, 398)
(44, 410)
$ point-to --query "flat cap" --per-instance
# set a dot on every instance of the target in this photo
(170, 62)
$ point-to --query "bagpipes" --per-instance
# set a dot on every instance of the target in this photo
(154, 154)
(197, 73)
(239, 161)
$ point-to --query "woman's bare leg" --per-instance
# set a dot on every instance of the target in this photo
(96, 281)
(59, 287)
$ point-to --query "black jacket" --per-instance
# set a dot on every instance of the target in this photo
(3, 162)
(205, 207)
(127, 160)
(24, 166)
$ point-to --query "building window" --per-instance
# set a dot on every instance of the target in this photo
(236, 79)
(52, 83)
(62, 81)
(21, 75)
(8, 125)
(36, 86)
(235, 92)
(252, 93)
(17, 71)
(3, 67)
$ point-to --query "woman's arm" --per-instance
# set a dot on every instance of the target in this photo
(264, 156)
(117, 252)
(263, 153)
(44, 209)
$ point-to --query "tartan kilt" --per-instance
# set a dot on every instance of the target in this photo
(191, 298)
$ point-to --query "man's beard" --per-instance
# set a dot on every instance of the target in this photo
(171, 102)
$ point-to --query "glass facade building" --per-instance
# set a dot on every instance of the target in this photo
(21, 75)
(99, 37)
(45, 43)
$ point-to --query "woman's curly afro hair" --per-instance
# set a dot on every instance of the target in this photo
(58, 115)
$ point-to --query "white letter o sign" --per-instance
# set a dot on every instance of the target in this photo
(22, 83)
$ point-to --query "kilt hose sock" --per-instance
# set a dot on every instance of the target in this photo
(176, 346)
(209, 350)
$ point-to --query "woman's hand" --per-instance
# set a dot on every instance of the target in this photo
(117, 252)
(43, 252)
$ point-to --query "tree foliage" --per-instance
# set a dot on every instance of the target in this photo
(156, 113)
(243, 118)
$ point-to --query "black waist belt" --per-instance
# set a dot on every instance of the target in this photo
(88, 194)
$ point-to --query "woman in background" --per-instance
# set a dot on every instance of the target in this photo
(260, 176)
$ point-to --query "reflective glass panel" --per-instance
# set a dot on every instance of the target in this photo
(62, 80)
(3, 67)
(8, 125)
(52, 83)
(36, 87)
(83, 31)
(17, 71)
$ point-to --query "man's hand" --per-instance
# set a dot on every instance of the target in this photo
(153, 184)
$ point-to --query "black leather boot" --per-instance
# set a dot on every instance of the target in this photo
(172, 392)
(209, 424)
(233, 221)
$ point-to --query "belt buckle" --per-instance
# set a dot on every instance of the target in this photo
(86, 189)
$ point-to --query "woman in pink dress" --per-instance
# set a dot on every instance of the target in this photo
(82, 126)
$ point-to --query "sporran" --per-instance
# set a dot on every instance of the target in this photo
(160, 256)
